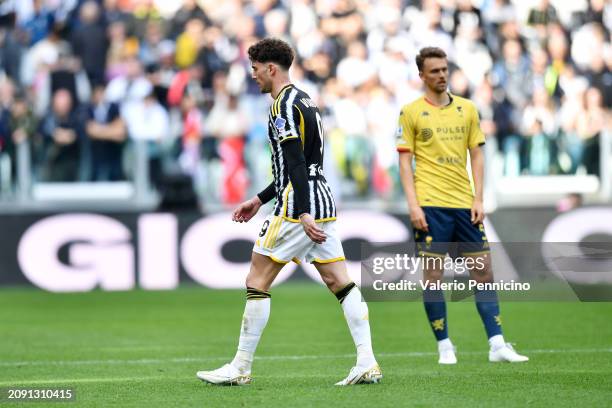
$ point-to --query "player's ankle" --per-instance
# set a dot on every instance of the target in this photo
(445, 344)
(243, 361)
(366, 360)
(497, 342)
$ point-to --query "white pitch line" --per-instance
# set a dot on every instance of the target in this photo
(145, 361)
(70, 381)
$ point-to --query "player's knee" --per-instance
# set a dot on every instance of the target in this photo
(256, 282)
(482, 275)
(334, 276)
(433, 274)
(333, 285)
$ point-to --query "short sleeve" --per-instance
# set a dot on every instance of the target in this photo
(476, 137)
(404, 135)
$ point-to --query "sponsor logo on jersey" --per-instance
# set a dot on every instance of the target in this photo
(314, 169)
(450, 130)
(424, 113)
(448, 160)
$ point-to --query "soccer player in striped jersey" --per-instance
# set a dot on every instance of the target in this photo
(438, 130)
(302, 224)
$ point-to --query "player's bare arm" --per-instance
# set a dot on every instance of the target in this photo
(477, 162)
(417, 216)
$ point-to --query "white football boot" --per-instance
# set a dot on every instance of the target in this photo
(447, 354)
(226, 375)
(359, 375)
(506, 353)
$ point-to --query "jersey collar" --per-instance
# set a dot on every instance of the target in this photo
(450, 97)
(280, 93)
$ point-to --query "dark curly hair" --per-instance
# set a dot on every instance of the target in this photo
(272, 50)
(428, 52)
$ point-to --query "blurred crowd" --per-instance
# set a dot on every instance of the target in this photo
(82, 81)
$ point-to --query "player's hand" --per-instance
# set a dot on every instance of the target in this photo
(477, 212)
(311, 229)
(417, 217)
(245, 211)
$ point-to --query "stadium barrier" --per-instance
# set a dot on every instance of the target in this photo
(75, 252)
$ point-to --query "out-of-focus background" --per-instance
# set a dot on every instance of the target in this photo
(127, 103)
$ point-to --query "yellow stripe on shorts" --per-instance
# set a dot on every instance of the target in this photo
(273, 232)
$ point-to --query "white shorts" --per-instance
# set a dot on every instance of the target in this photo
(285, 241)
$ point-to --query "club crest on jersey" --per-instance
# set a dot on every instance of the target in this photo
(280, 123)
(426, 134)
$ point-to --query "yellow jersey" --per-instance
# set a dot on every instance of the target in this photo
(439, 138)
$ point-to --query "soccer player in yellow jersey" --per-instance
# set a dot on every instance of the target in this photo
(437, 131)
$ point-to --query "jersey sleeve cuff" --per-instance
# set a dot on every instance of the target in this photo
(284, 139)
(403, 149)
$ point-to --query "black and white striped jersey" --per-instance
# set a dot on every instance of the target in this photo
(293, 115)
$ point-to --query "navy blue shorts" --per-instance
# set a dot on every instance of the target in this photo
(450, 231)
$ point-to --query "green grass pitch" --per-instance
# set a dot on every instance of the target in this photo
(142, 349)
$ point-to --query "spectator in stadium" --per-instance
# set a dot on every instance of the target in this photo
(599, 75)
(107, 132)
(210, 58)
(155, 76)
(192, 122)
(11, 52)
(147, 121)
(122, 48)
(189, 10)
(44, 54)
(228, 122)
(39, 23)
(113, 13)
(62, 132)
(132, 86)
(189, 43)
(539, 127)
(186, 81)
(149, 46)
(143, 13)
(67, 73)
(353, 138)
(541, 16)
(511, 73)
(22, 128)
(355, 69)
(89, 41)
(591, 122)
